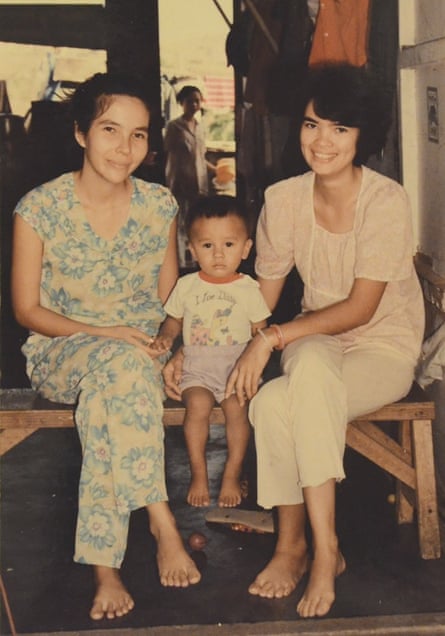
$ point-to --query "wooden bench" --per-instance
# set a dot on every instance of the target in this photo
(407, 456)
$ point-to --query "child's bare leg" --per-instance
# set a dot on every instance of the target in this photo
(199, 403)
(328, 561)
(237, 434)
(289, 563)
(176, 568)
(112, 599)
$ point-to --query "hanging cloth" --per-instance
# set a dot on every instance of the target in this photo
(341, 32)
(5, 106)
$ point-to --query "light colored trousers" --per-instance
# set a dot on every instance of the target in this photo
(300, 418)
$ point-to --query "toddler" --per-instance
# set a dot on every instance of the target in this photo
(217, 310)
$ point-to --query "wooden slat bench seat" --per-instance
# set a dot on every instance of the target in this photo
(408, 457)
(23, 411)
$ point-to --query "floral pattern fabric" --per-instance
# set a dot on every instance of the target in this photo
(116, 387)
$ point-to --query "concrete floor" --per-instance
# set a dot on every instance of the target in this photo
(387, 588)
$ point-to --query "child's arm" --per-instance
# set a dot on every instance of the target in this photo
(168, 332)
(258, 325)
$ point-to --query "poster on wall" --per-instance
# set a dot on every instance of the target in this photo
(433, 114)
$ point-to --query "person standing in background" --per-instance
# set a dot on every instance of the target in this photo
(186, 168)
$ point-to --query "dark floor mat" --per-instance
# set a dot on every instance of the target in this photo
(49, 593)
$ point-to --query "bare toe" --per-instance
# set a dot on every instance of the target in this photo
(230, 494)
(281, 575)
(319, 595)
(198, 494)
(112, 599)
(176, 567)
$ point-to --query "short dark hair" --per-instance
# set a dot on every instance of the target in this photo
(92, 97)
(186, 91)
(216, 206)
(351, 96)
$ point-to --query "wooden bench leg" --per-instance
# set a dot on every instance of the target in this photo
(11, 437)
(404, 495)
(426, 498)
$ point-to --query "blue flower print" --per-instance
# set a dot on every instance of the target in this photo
(73, 378)
(141, 301)
(71, 346)
(109, 281)
(105, 377)
(135, 282)
(104, 353)
(99, 448)
(61, 299)
(143, 466)
(95, 527)
(125, 501)
(141, 408)
(73, 261)
(97, 491)
(132, 249)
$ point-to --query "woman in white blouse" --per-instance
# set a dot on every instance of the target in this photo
(354, 347)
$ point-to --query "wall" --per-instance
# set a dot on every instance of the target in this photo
(422, 65)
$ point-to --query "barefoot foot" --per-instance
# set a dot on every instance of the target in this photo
(112, 599)
(198, 494)
(176, 567)
(281, 575)
(230, 493)
(319, 595)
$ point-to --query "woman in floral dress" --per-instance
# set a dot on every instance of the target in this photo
(94, 259)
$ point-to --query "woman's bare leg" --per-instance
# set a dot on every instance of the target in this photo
(112, 599)
(199, 403)
(176, 568)
(328, 561)
(289, 563)
(237, 435)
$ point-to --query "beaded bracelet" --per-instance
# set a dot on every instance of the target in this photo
(279, 334)
(265, 338)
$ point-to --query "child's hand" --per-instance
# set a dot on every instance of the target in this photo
(172, 373)
(160, 345)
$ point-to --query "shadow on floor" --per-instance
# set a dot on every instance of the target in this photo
(49, 593)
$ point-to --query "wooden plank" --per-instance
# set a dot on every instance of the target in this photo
(23, 408)
(52, 25)
(11, 420)
(21, 419)
(426, 498)
(174, 415)
(401, 411)
(382, 439)
(404, 495)
(9, 439)
(367, 446)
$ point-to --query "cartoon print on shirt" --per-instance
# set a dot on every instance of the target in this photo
(216, 334)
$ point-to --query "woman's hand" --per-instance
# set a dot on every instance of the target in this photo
(172, 373)
(245, 377)
(135, 337)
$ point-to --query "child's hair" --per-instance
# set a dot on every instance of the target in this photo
(216, 206)
(185, 92)
(351, 96)
(92, 97)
